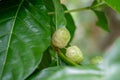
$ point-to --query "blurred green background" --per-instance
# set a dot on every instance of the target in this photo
(92, 40)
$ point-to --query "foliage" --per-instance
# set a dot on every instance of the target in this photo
(26, 52)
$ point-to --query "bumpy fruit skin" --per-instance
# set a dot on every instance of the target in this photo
(61, 38)
(74, 54)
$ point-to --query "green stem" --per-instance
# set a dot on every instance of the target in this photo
(58, 64)
(97, 5)
(73, 10)
(68, 61)
(80, 9)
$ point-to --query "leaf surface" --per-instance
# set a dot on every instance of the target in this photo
(69, 73)
(24, 36)
(102, 20)
(115, 4)
(59, 19)
(112, 62)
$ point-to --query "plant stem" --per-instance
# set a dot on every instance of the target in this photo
(68, 61)
(97, 5)
(73, 10)
(79, 9)
(58, 62)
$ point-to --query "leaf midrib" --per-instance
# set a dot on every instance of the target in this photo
(15, 17)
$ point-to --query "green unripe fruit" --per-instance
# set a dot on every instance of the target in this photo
(96, 60)
(61, 38)
(74, 54)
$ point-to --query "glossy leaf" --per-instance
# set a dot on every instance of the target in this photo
(59, 20)
(69, 73)
(115, 4)
(112, 62)
(102, 20)
(24, 36)
(45, 62)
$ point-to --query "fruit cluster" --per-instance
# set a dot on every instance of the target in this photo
(60, 39)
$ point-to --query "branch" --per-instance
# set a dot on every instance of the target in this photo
(73, 10)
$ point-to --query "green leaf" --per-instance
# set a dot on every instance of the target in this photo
(69, 73)
(70, 23)
(115, 4)
(112, 62)
(95, 2)
(49, 5)
(59, 20)
(24, 36)
(46, 60)
(102, 20)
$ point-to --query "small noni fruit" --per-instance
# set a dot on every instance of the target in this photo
(61, 38)
(74, 54)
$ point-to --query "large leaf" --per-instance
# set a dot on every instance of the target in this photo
(115, 4)
(59, 20)
(50, 8)
(24, 36)
(45, 62)
(112, 62)
(102, 20)
(69, 73)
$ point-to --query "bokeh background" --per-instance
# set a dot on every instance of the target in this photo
(92, 40)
